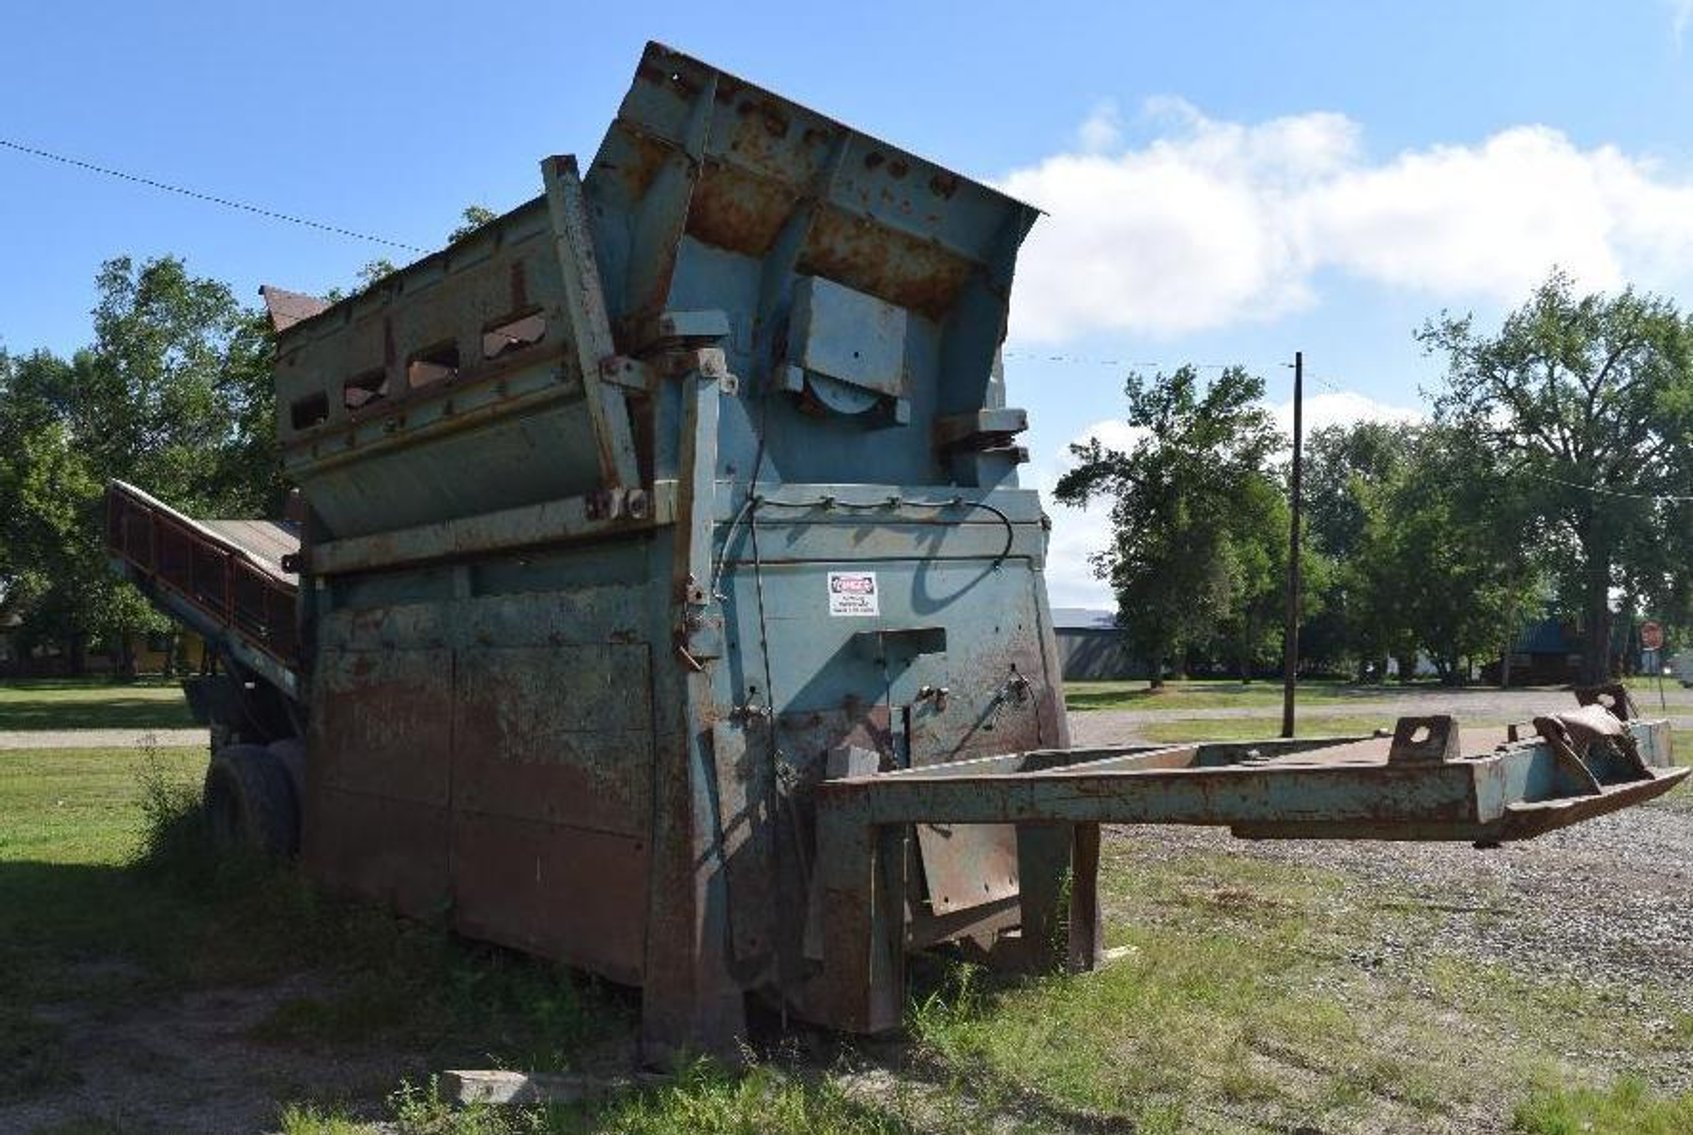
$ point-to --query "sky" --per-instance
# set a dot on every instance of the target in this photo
(1223, 182)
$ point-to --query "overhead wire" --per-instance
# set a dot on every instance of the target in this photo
(1599, 490)
(210, 198)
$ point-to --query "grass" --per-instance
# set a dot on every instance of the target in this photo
(1207, 694)
(1628, 1107)
(1316, 725)
(1260, 728)
(109, 894)
(50, 704)
(1176, 696)
(1244, 1000)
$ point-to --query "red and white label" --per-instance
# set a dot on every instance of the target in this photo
(854, 593)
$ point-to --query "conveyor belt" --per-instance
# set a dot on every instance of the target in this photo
(223, 578)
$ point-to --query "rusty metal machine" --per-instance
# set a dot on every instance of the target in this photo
(668, 603)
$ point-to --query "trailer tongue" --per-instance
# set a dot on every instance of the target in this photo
(668, 603)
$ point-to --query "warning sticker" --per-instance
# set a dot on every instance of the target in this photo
(853, 593)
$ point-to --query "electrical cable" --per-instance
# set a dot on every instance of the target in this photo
(210, 198)
(1604, 492)
(829, 502)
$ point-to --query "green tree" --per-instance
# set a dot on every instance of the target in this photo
(1357, 612)
(1187, 501)
(1587, 398)
(473, 218)
(173, 395)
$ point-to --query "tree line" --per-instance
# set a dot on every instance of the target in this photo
(1554, 473)
(173, 395)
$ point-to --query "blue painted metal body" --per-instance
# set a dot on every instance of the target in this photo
(629, 509)
(645, 514)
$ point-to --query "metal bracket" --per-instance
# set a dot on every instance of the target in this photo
(1612, 696)
(1424, 740)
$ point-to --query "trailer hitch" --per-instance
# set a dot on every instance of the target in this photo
(1418, 785)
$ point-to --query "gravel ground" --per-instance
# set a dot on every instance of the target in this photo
(1606, 906)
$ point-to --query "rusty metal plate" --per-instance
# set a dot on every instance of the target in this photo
(389, 851)
(552, 800)
(381, 721)
(744, 797)
(376, 814)
(967, 865)
(558, 734)
(562, 892)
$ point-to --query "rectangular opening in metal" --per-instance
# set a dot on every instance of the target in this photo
(365, 388)
(312, 410)
(433, 364)
(513, 332)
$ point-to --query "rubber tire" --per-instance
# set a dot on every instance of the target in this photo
(250, 802)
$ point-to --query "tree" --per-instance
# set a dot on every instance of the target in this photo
(474, 217)
(1184, 509)
(1465, 576)
(174, 395)
(1587, 398)
(1357, 616)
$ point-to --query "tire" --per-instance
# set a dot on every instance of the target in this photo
(250, 802)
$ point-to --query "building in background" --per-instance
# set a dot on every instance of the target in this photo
(1091, 647)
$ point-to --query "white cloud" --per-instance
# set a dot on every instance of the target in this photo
(1102, 129)
(1341, 408)
(1213, 223)
(1681, 13)
(1078, 533)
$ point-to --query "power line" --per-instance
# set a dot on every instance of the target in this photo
(272, 214)
(1604, 492)
(1128, 364)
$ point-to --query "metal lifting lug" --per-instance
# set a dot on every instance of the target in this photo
(1017, 686)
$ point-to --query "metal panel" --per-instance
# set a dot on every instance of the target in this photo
(377, 776)
(563, 892)
(558, 734)
(379, 848)
(381, 723)
(849, 336)
(552, 799)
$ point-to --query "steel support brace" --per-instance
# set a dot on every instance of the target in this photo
(590, 326)
(689, 996)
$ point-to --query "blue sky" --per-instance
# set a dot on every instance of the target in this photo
(1224, 182)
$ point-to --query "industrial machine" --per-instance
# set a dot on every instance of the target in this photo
(665, 600)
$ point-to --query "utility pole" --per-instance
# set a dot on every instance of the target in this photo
(1290, 639)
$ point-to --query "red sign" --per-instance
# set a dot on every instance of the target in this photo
(1652, 636)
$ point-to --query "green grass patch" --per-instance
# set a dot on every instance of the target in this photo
(52, 704)
(109, 892)
(1628, 1107)
(701, 1099)
(1259, 728)
(1254, 995)
(1207, 694)
(1317, 725)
